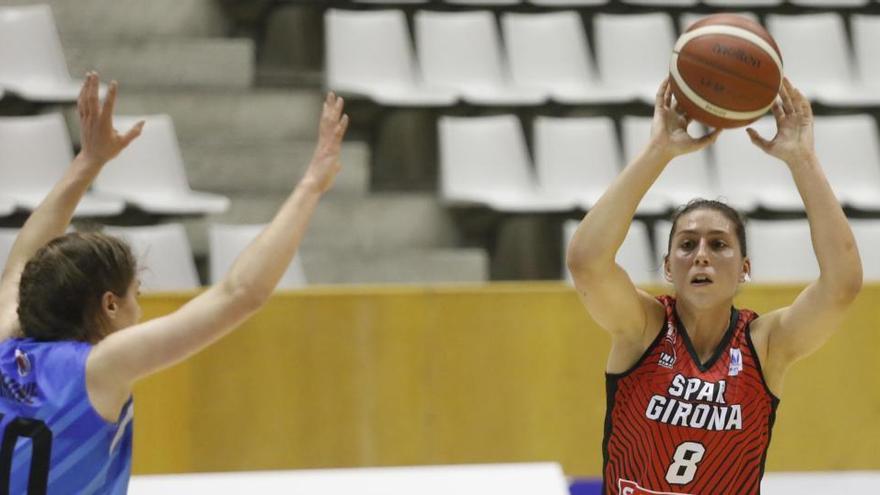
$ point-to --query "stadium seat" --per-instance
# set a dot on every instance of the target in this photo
(781, 251)
(32, 63)
(568, 3)
(370, 53)
(849, 152)
(867, 234)
(634, 256)
(150, 173)
(226, 242)
(750, 178)
(801, 47)
(834, 4)
(866, 38)
(164, 256)
(550, 52)
(633, 51)
(36, 152)
(483, 3)
(662, 3)
(688, 18)
(462, 51)
(484, 161)
(685, 178)
(743, 3)
(576, 158)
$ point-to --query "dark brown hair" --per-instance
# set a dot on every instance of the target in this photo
(63, 283)
(731, 214)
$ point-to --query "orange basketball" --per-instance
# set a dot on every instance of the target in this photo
(726, 71)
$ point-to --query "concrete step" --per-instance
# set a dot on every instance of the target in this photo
(376, 223)
(261, 168)
(134, 19)
(224, 115)
(404, 266)
(175, 63)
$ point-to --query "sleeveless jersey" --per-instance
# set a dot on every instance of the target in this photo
(53, 440)
(676, 425)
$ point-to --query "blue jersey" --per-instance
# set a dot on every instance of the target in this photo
(53, 439)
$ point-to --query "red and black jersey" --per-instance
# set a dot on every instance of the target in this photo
(676, 425)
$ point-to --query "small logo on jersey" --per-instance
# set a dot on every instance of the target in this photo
(23, 363)
(627, 487)
(667, 351)
(736, 362)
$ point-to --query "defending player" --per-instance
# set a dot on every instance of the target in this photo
(693, 383)
(72, 347)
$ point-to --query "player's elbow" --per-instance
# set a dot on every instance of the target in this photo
(845, 287)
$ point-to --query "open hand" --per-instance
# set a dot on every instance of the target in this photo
(669, 128)
(793, 142)
(325, 162)
(100, 141)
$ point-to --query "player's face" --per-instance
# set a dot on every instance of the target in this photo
(705, 261)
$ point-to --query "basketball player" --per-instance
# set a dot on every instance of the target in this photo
(692, 383)
(73, 348)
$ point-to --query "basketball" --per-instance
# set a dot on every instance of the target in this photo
(725, 71)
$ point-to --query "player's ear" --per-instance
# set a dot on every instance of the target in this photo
(667, 272)
(746, 274)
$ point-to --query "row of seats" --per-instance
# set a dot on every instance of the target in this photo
(164, 254)
(149, 174)
(486, 161)
(460, 56)
(781, 251)
(653, 3)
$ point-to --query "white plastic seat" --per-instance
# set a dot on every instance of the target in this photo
(150, 173)
(867, 234)
(685, 178)
(576, 158)
(742, 3)
(226, 242)
(815, 53)
(484, 160)
(848, 150)
(36, 151)
(164, 256)
(634, 256)
(688, 18)
(32, 63)
(370, 53)
(568, 3)
(748, 177)
(633, 51)
(830, 3)
(550, 52)
(781, 251)
(866, 39)
(662, 3)
(462, 51)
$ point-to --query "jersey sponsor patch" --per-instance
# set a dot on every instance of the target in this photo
(667, 351)
(627, 487)
(736, 362)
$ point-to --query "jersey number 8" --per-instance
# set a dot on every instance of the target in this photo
(684, 463)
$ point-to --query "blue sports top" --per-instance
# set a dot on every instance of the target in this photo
(53, 439)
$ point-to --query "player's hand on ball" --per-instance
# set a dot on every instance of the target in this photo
(794, 127)
(669, 128)
(325, 162)
(100, 141)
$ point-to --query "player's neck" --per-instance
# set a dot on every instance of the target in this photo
(705, 326)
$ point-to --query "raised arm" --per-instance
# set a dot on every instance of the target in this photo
(604, 287)
(100, 143)
(800, 329)
(132, 353)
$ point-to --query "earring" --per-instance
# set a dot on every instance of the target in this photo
(746, 278)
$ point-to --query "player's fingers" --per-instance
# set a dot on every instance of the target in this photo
(661, 93)
(757, 139)
(667, 96)
(785, 95)
(132, 134)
